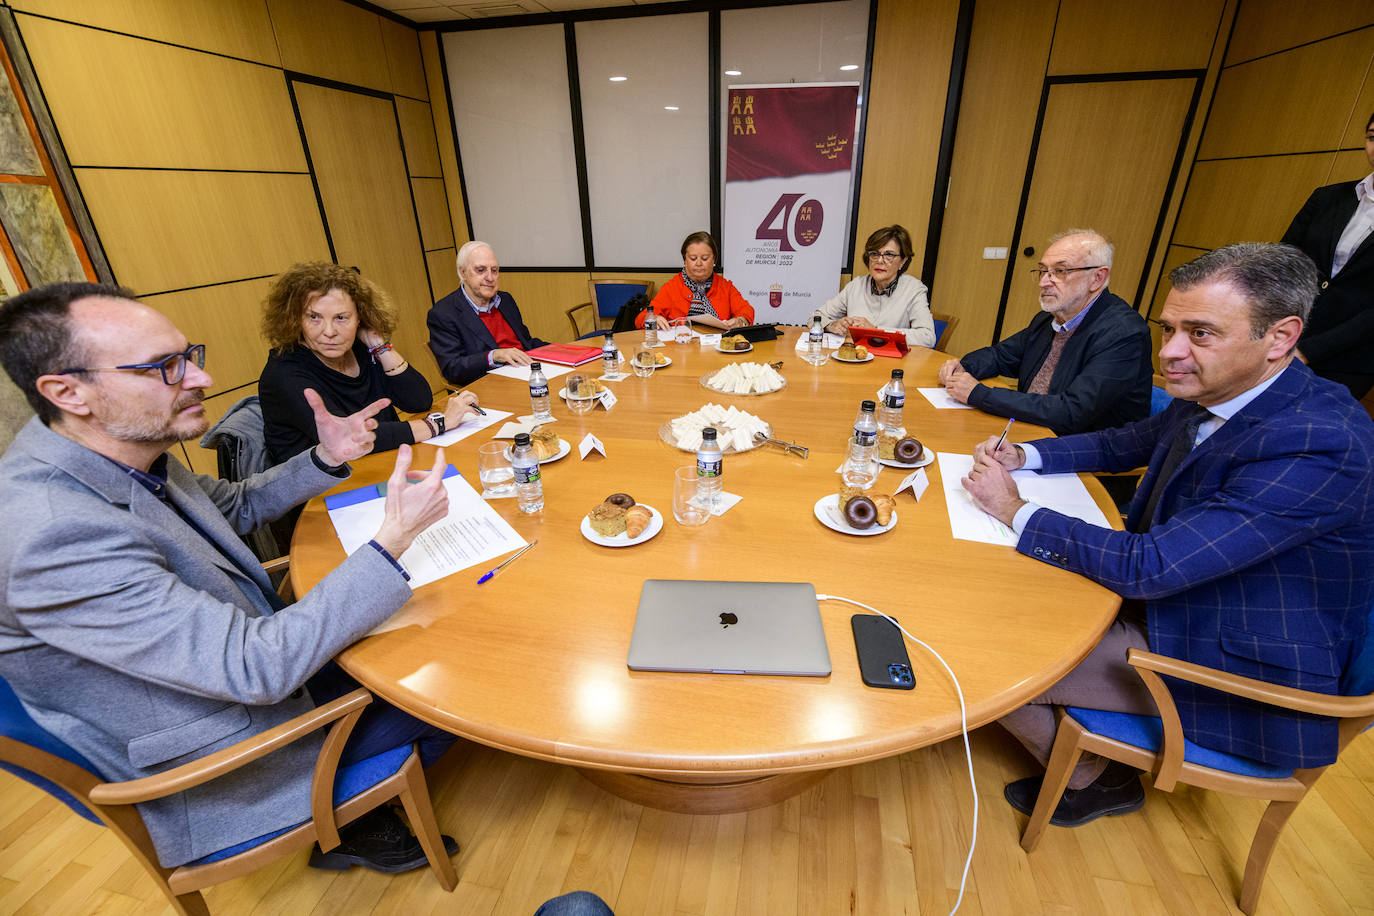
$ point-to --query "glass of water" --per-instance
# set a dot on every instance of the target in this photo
(494, 469)
(643, 362)
(579, 393)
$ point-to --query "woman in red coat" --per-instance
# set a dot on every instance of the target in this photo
(698, 292)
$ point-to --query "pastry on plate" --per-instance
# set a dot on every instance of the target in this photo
(637, 518)
(847, 349)
(660, 359)
(545, 443)
(607, 519)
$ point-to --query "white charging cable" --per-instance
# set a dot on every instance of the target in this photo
(963, 727)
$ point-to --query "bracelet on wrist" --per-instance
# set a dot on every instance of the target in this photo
(399, 369)
(378, 350)
(433, 430)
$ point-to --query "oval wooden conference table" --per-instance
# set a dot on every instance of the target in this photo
(533, 662)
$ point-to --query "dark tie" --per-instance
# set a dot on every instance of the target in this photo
(1041, 383)
(1178, 450)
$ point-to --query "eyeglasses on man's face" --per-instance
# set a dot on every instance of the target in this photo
(1059, 274)
(173, 368)
(887, 257)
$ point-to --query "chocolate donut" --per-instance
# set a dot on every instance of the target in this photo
(623, 500)
(860, 512)
(907, 451)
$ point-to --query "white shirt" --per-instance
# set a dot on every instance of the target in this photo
(1359, 227)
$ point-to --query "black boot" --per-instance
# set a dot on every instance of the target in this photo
(378, 840)
(1116, 791)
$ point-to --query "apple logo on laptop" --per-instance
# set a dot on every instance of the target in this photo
(727, 618)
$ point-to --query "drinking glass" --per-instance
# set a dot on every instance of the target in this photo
(494, 469)
(688, 506)
(643, 362)
(578, 403)
(682, 330)
(860, 465)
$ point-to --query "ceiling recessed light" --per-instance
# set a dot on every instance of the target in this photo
(670, 108)
(619, 79)
(732, 73)
(850, 67)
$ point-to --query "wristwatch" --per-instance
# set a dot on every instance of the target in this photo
(438, 420)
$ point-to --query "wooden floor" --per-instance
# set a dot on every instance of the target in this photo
(886, 837)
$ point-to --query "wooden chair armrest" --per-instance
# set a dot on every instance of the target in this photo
(230, 758)
(1321, 704)
(280, 563)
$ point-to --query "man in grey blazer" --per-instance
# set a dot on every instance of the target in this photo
(135, 625)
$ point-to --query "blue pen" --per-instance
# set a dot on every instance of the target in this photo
(996, 447)
(508, 561)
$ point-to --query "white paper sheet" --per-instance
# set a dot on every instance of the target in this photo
(470, 424)
(1061, 492)
(940, 399)
(551, 371)
(470, 534)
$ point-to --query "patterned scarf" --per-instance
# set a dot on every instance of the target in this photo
(700, 304)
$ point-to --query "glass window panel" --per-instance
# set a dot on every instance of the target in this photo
(514, 123)
(647, 136)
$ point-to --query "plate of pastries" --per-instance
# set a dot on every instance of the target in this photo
(619, 521)
(849, 352)
(855, 511)
(547, 445)
(587, 389)
(658, 361)
(898, 450)
(733, 343)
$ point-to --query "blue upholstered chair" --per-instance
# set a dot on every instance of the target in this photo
(944, 326)
(1157, 745)
(338, 794)
(607, 297)
(1159, 398)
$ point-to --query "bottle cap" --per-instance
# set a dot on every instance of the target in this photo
(868, 406)
(522, 438)
(534, 366)
(898, 373)
(708, 433)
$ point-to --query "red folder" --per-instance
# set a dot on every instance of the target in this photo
(880, 342)
(564, 354)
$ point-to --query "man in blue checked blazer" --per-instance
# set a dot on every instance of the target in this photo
(1250, 541)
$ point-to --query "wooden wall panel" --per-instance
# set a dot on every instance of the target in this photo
(1259, 108)
(912, 48)
(443, 134)
(403, 59)
(332, 39)
(1007, 55)
(122, 101)
(1266, 26)
(367, 203)
(544, 300)
(1096, 37)
(224, 318)
(238, 28)
(1360, 116)
(443, 272)
(165, 230)
(1247, 200)
(1349, 165)
(432, 207)
(417, 132)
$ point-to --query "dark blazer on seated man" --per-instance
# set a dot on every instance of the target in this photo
(477, 326)
(1083, 363)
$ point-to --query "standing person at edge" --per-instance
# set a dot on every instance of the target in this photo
(1249, 545)
(1336, 229)
(698, 292)
(137, 627)
(477, 326)
(1083, 363)
(888, 298)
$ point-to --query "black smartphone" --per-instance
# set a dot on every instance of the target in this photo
(883, 661)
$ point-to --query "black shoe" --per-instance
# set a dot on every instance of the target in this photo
(1117, 791)
(378, 840)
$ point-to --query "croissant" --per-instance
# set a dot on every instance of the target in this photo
(637, 518)
(885, 505)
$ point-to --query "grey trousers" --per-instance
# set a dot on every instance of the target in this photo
(1103, 680)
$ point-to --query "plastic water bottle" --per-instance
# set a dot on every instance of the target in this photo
(650, 327)
(710, 468)
(610, 359)
(861, 464)
(894, 399)
(529, 487)
(539, 393)
(815, 342)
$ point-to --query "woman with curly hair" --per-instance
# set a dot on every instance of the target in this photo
(329, 330)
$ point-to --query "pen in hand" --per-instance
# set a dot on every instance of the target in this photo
(511, 559)
(998, 447)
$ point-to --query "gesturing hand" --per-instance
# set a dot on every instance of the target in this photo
(414, 501)
(343, 439)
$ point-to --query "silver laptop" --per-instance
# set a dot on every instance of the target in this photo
(729, 628)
